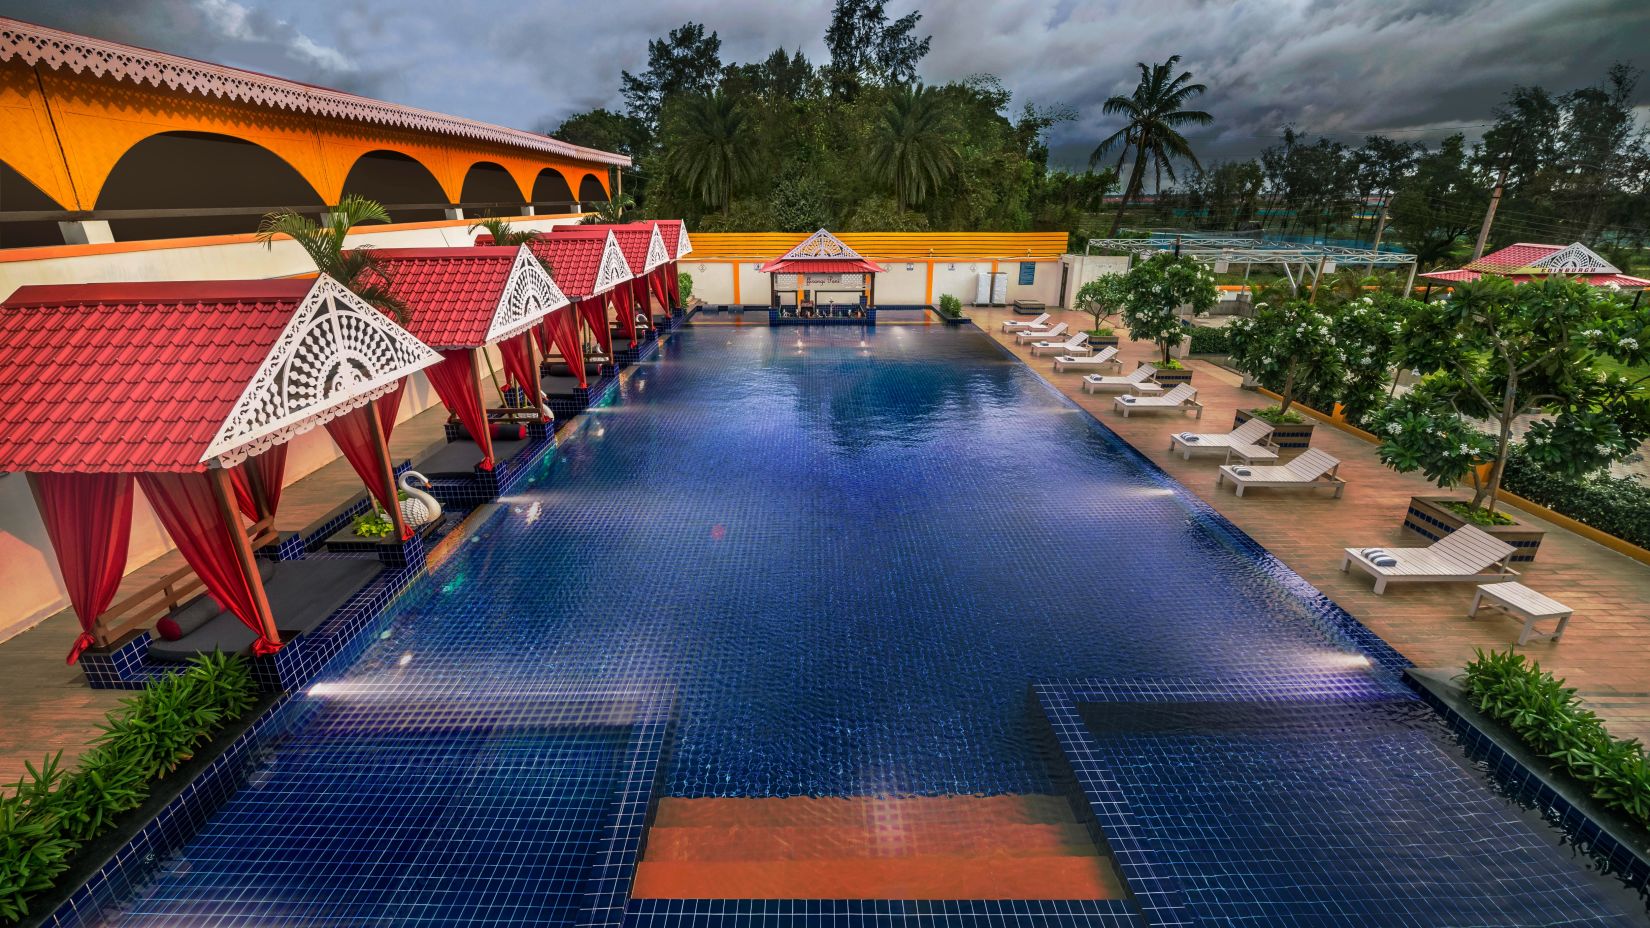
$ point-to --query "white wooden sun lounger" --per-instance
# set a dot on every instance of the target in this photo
(1248, 438)
(1016, 325)
(1077, 344)
(1312, 470)
(1023, 336)
(1180, 399)
(1138, 381)
(1105, 357)
(1466, 555)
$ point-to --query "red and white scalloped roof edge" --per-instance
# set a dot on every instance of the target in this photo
(38, 44)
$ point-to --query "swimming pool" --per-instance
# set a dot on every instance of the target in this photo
(846, 555)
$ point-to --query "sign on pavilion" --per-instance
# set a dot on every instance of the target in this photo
(822, 278)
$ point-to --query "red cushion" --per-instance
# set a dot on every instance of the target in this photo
(168, 629)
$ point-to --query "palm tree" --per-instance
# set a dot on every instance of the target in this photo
(506, 234)
(1154, 113)
(609, 211)
(913, 150)
(711, 155)
(355, 268)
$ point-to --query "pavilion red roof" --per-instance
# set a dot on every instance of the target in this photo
(1514, 257)
(635, 240)
(674, 232)
(147, 377)
(820, 266)
(461, 297)
(584, 264)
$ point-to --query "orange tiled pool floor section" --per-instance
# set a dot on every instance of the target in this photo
(945, 847)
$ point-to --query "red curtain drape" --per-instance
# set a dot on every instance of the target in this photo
(389, 406)
(353, 434)
(656, 280)
(675, 284)
(188, 509)
(270, 469)
(638, 298)
(518, 364)
(564, 329)
(594, 313)
(88, 520)
(627, 316)
(456, 382)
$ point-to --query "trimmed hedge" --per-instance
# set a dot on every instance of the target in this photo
(1617, 505)
(1549, 719)
(1206, 340)
(51, 811)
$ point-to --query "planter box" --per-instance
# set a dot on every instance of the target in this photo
(1169, 378)
(1104, 341)
(1430, 520)
(1290, 436)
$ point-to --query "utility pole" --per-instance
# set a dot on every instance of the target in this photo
(1489, 214)
(1380, 229)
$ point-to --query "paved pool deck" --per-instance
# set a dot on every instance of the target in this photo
(1605, 652)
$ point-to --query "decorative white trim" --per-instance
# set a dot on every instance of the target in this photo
(56, 49)
(821, 244)
(656, 252)
(614, 270)
(529, 295)
(336, 350)
(1575, 258)
(684, 246)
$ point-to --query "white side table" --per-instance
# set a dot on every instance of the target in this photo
(1525, 604)
(1249, 454)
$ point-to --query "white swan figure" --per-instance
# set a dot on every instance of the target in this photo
(419, 507)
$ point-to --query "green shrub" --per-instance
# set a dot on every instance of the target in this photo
(950, 305)
(1546, 715)
(51, 812)
(1206, 340)
(1617, 505)
(1278, 416)
(684, 283)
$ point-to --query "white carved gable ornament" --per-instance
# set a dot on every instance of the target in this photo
(529, 295)
(336, 354)
(657, 254)
(1575, 258)
(683, 245)
(613, 270)
(821, 244)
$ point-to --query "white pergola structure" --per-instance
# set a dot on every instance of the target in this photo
(1303, 265)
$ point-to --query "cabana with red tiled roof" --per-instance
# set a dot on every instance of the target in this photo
(460, 300)
(649, 259)
(589, 261)
(674, 232)
(1528, 261)
(821, 263)
(191, 392)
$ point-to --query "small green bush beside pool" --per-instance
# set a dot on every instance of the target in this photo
(1206, 340)
(51, 811)
(950, 305)
(1548, 718)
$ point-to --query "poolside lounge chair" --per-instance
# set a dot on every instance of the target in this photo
(1075, 345)
(1313, 469)
(1023, 336)
(1249, 439)
(1137, 381)
(1020, 325)
(1105, 357)
(1180, 399)
(1466, 555)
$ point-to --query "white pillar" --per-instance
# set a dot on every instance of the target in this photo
(86, 232)
(528, 211)
(454, 213)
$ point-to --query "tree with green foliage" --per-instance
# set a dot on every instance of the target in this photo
(1155, 290)
(355, 268)
(710, 155)
(1101, 298)
(685, 62)
(866, 48)
(609, 211)
(913, 152)
(603, 130)
(1500, 351)
(1155, 113)
(1440, 204)
(1285, 345)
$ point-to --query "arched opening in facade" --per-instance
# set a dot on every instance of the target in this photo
(490, 183)
(400, 182)
(591, 190)
(551, 187)
(19, 195)
(201, 171)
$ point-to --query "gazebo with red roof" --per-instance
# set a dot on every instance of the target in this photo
(649, 259)
(190, 390)
(821, 263)
(674, 233)
(591, 266)
(1528, 261)
(460, 300)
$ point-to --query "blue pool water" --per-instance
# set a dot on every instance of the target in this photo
(846, 556)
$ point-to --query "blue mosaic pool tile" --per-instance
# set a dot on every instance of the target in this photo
(836, 913)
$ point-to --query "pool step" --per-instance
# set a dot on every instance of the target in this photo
(947, 847)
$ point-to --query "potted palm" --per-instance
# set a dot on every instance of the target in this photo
(1153, 292)
(1498, 353)
(1100, 298)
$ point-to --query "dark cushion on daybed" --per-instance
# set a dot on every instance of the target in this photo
(500, 431)
(461, 457)
(302, 594)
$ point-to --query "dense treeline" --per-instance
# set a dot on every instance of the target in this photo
(857, 142)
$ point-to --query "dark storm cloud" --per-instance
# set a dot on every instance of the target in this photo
(1341, 67)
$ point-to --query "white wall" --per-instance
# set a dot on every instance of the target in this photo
(904, 282)
(31, 587)
(1085, 268)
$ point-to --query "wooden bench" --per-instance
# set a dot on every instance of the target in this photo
(1525, 604)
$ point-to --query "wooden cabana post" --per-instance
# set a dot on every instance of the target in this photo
(224, 495)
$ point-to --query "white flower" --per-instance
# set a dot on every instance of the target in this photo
(1629, 343)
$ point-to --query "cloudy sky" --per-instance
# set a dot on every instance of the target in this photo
(1412, 68)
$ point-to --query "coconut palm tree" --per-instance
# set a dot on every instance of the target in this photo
(506, 234)
(356, 268)
(609, 211)
(1155, 114)
(913, 149)
(711, 155)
